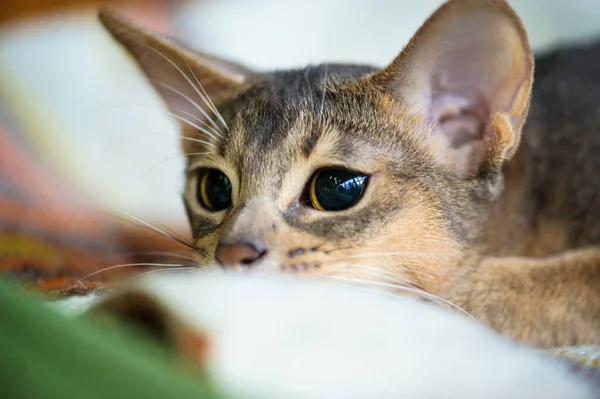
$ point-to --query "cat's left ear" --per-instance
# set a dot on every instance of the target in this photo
(187, 81)
(467, 73)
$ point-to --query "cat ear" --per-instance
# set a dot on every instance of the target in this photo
(468, 73)
(188, 82)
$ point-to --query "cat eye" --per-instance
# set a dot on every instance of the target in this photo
(214, 190)
(335, 189)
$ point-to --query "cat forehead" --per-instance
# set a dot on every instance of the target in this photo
(297, 122)
(272, 102)
(299, 82)
(285, 114)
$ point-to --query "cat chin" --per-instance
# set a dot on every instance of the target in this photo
(282, 337)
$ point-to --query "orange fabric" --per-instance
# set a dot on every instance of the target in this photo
(52, 236)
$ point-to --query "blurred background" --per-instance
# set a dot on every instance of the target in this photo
(85, 111)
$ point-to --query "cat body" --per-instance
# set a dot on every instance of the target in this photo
(552, 196)
(548, 212)
(422, 177)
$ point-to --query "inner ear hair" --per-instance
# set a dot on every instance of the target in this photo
(189, 83)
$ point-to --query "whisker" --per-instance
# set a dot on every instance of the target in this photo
(188, 99)
(125, 265)
(207, 129)
(180, 237)
(185, 242)
(207, 100)
(145, 224)
(192, 124)
(188, 154)
(197, 141)
(409, 289)
(147, 227)
(174, 65)
(160, 253)
(168, 269)
(151, 227)
(201, 121)
(141, 222)
(394, 277)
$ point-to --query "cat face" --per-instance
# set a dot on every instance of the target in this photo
(319, 174)
(349, 171)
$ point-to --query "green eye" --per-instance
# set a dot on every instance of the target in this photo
(335, 190)
(214, 190)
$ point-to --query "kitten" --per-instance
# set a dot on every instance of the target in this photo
(422, 176)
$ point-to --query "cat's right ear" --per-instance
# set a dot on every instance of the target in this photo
(467, 74)
(187, 81)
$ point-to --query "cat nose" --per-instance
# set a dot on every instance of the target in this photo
(237, 256)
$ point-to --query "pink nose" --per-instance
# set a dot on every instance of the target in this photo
(237, 256)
